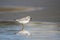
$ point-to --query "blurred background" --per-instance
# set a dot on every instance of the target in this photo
(49, 9)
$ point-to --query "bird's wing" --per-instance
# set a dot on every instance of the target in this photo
(22, 19)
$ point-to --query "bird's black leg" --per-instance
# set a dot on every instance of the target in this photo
(22, 27)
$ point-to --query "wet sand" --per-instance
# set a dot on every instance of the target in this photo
(10, 9)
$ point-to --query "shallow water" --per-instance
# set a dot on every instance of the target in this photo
(38, 31)
(47, 30)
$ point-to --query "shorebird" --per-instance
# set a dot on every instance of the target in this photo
(24, 20)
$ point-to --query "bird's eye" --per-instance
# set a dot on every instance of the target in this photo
(30, 18)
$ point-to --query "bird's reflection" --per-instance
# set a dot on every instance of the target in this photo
(24, 32)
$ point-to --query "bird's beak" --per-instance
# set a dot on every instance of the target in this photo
(30, 18)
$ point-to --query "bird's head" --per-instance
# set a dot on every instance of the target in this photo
(29, 17)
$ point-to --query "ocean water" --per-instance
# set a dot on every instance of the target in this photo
(38, 31)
